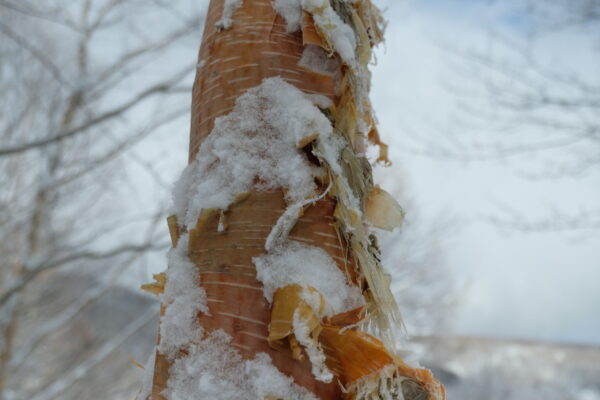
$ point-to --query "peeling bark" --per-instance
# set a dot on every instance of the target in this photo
(234, 58)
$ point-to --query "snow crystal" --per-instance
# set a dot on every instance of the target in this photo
(297, 263)
(339, 34)
(213, 369)
(331, 25)
(313, 349)
(254, 147)
(291, 11)
(319, 100)
(184, 299)
(330, 149)
(228, 8)
(316, 59)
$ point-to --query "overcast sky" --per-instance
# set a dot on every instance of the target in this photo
(542, 285)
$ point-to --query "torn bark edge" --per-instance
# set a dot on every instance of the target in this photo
(382, 210)
(388, 384)
(287, 301)
(174, 230)
(158, 286)
(363, 366)
(368, 25)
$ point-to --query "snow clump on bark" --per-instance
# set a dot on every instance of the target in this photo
(339, 34)
(183, 299)
(254, 147)
(226, 21)
(213, 369)
(309, 266)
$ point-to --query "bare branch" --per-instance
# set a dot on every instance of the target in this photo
(77, 372)
(120, 148)
(121, 64)
(35, 52)
(163, 87)
(69, 258)
(51, 16)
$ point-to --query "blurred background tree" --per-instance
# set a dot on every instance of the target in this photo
(524, 101)
(84, 85)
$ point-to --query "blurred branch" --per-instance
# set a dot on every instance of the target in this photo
(22, 7)
(35, 52)
(67, 314)
(163, 87)
(77, 372)
(71, 115)
(122, 63)
(120, 148)
(30, 274)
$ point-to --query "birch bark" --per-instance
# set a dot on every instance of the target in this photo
(234, 58)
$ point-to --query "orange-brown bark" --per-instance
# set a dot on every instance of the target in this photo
(235, 297)
(230, 62)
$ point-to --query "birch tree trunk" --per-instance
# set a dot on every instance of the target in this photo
(303, 43)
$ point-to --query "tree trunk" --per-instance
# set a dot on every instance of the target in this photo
(235, 56)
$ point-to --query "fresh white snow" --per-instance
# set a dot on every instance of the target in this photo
(291, 11)
(254, 147)
(313, 349)
(316, 59)
(183, 298)
(213, 369)
(297, 263)
(339, 34)
(228, 8)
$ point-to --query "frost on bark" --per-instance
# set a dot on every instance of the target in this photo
(274, 287)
